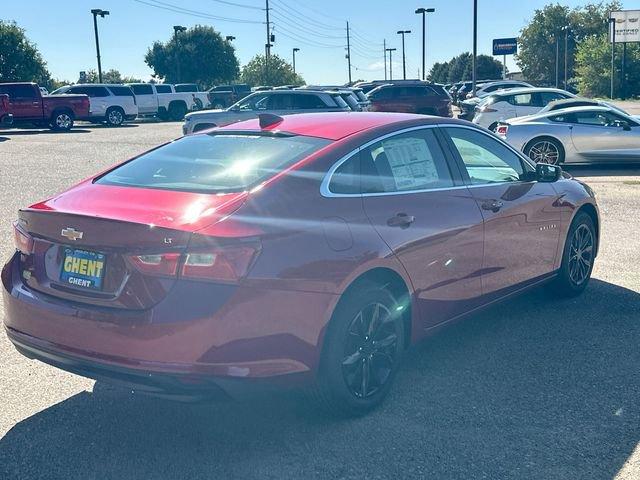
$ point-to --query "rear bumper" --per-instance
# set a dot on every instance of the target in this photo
(232, 333)
(6, 120)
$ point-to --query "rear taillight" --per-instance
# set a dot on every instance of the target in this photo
(165, 264)
(23, 241)
(226, 264)
(502, 130)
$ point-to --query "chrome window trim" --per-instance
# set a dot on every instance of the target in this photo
(324, 186)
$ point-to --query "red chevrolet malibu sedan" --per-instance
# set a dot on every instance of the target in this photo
(304, 251)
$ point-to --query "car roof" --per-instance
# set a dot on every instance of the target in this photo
(515, 91)
(97, 85)
(335, 125)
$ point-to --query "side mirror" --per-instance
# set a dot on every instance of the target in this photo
(548, 173)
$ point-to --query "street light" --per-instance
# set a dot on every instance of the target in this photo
(424, 11)
(474, 69)
(229, 38)
(566, 29)
(390, 50)
(404, 63)
(177, 29)
(102, 13)
(612, 22)
(296, 49)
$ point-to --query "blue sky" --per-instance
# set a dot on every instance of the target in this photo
(63, 31)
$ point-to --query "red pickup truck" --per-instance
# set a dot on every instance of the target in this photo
(6, 118)
(29, 106)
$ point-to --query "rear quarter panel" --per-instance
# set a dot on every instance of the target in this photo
(76, 103)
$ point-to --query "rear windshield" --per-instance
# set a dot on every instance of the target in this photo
(209, 163)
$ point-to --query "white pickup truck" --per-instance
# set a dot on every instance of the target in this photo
(163, 101)
(201, 98)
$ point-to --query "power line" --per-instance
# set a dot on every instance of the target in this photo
(241, 5)
(294, 36)
(194, 13)
(308, 19)
(304, 30)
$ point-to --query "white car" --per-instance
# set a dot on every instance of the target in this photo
(488, 88)
(200, 98)
(162, 100)
(110, 103)
(515, 102)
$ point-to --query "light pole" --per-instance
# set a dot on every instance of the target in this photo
(474, 69)
(612, 22)
(565, 29)
(404, 63)
(391, 50)
(557, 60)
(177, 29)
(424, 11)
(102, 13)
(296, 49)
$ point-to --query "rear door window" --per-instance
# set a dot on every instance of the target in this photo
(142, 89)
(163, 88)
(213, 163)
(307, 102)
(121, 91)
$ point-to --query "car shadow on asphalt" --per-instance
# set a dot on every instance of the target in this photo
(532, 388)
(14, 133)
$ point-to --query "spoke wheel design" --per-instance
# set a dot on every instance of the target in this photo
(115, 117)
(581, 254)
(63, 121)
(370, 350)
(544, 152)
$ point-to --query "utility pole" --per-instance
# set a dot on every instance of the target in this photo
(390, 50)
(348, 53)
(404, 62)
(474, 74)
(177, 29)
(296, 49)
(566, 55)
(384, 53)
(267, 46)
(623, 91)
(612, 22)
(424, 11)
(102, 13)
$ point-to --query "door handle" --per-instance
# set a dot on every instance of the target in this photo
(401, 220)
(492, 205)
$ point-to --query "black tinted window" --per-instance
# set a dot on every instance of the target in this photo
(280, 102)
(142, 89)
(121, 91)
(189, 87)
(308, 102)
(163, 88)
(405, 162)
(213, 163)
(346, 178)
(18, 91)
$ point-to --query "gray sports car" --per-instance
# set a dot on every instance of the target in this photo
(575, 135)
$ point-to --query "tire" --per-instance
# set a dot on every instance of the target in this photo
(177, 111)
(358, 363)
(114, 116)
(62, 121)
(577, 258)
(163, 114)
(545, 150)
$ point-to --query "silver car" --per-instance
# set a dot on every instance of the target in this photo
(278, 102)
(575, 135)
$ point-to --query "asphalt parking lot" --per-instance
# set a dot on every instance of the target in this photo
(535, 388)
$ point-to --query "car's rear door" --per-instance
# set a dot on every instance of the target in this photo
(521, 216)
(429, 219)
(599, 135)
(146, 100)
(527, 103)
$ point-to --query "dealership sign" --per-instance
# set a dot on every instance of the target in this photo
(505, 46)
(627, 26)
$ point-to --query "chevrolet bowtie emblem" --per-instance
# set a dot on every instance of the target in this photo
(71, 233)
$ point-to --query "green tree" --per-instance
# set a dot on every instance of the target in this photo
(110, 76)
(279, 72)
(20, 60)
(439, 72)
(202, 55)
(458, 66)
(593, 68)
(537, 42)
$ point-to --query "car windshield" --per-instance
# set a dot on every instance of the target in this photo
(60, 90)
(213, 163)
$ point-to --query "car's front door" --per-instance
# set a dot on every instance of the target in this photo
(428, 218)
(599, 135)
(521, 216)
